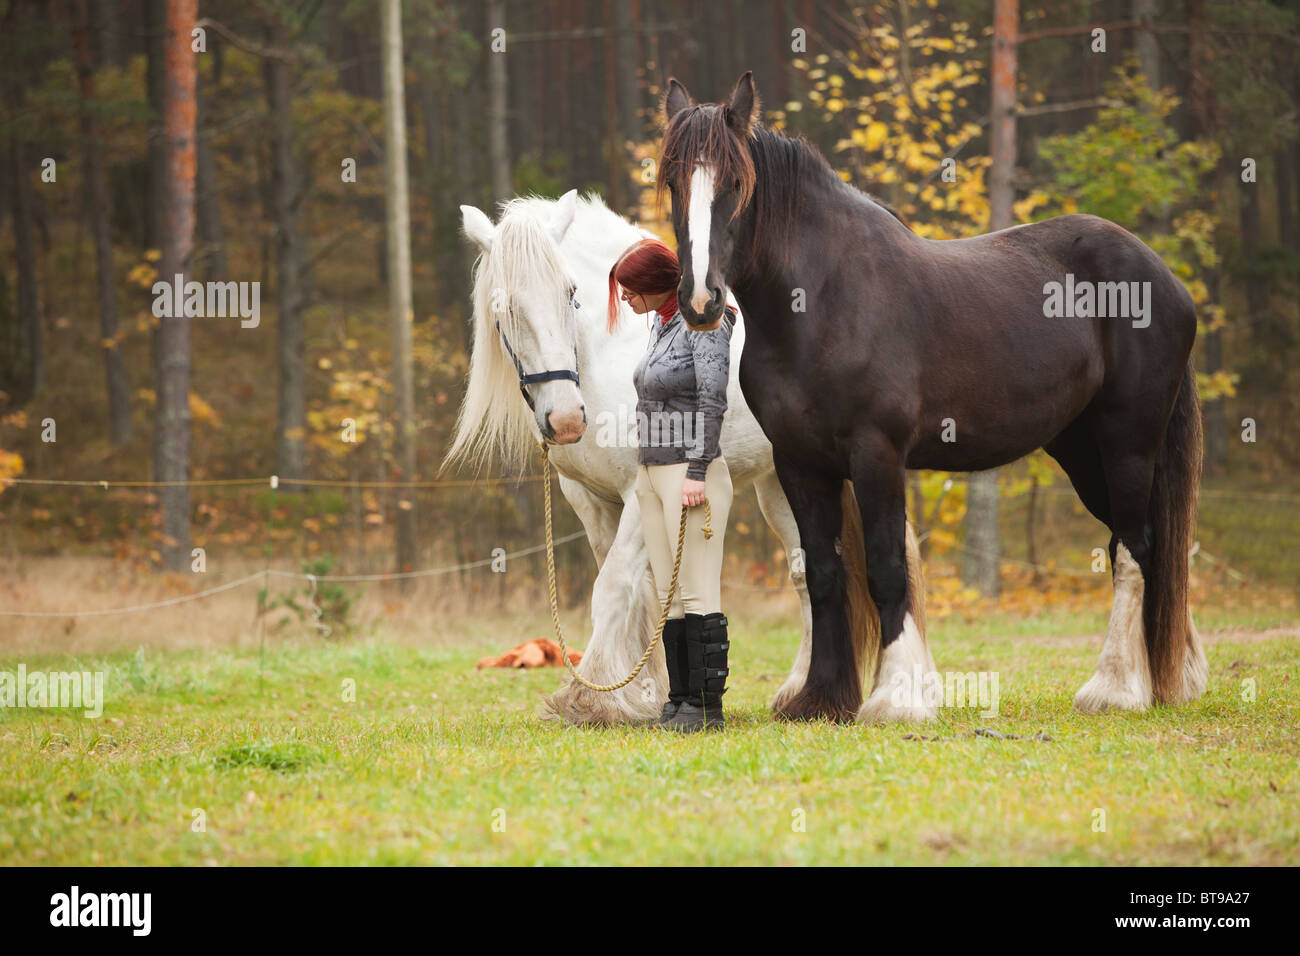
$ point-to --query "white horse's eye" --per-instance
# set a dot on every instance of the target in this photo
(576, 303)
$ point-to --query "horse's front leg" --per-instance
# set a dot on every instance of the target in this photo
(905, 684)
(623, 614)
(831, 688)
(599, 517)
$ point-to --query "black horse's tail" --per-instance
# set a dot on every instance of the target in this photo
(864, 622)
(1165, 614)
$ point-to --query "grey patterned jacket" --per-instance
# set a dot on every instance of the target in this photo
(681, 387)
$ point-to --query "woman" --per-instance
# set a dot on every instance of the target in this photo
(681, 386)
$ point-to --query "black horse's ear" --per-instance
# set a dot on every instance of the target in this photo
(742, 111)
(676, 100)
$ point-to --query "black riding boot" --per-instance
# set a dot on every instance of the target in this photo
(674, 641)
(706, 649)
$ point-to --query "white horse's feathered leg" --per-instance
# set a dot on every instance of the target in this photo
(623, 620)
(776, 511)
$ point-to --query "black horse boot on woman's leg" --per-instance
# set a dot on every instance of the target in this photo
(674, 641)
(706, 648)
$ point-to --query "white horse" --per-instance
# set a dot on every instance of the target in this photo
(541, 284)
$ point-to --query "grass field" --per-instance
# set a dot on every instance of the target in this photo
(437, 763)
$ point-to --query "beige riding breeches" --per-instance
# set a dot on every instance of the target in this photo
(659, 493)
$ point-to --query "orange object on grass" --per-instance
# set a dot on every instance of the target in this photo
(539, 652)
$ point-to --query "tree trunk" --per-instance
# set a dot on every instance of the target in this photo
(155, 32)
(464, 187)
(25, 375)
(430, 133)
(1293, 163)
(918, 511)
(155, 82)
(212, 237)
(180, 112)
(982, 539)
(108, 28)
(1031, 535)
(615, 163)
(1148, 51)
(628, 61)
(22, 361)
(1255, 281)
(1284, 170)
(1205, 114)
(396, 195)
(498, 142)
(286, 196)
(119, 408)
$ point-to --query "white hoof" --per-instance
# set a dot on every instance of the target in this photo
(882, 707)
(1103, 693)
(907, 686)
(787, 692)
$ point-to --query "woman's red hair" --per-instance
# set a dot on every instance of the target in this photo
(647, 267)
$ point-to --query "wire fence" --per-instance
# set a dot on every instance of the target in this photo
(274, 481)
(267, 573)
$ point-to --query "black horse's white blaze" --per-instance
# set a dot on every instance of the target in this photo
(700, 218)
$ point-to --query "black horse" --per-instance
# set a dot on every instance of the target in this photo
(871, 350)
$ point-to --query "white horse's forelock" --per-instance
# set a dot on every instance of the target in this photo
(494, 421)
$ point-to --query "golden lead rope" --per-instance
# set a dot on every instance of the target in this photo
(663, 616)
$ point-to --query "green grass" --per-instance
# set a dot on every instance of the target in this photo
(432, 753)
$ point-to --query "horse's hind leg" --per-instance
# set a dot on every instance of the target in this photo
(1077, 454)
(1123, 677)
(906, 685)
(776, 511)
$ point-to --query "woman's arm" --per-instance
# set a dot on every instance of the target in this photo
(712, 351)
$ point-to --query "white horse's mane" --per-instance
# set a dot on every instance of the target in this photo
(493, 422)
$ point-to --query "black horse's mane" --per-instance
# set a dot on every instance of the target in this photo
(784, 160)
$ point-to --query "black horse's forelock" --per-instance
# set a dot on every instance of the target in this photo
(700, 135)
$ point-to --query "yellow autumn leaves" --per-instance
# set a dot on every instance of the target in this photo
(899, 96)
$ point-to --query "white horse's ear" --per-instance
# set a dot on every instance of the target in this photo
(562, 218)
(477, 227)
